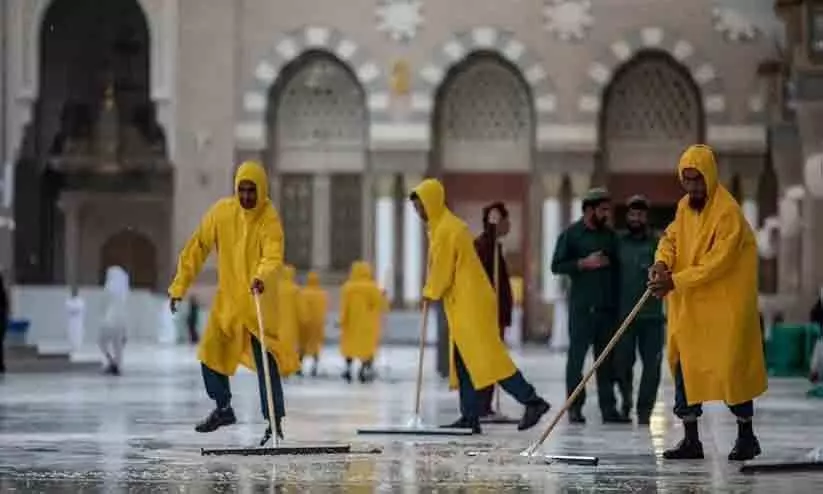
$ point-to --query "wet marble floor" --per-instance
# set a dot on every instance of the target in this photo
(93, 433)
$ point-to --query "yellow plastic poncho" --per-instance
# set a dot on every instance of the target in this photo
(362, 305)
(456, 275)
(249, 244)
(288, 321)
(312, 309)
(713, 325)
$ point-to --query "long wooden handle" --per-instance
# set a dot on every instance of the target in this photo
(423, 329)
(580, 387)
(265, 354)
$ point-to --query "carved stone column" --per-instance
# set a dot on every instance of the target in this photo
(321, 221)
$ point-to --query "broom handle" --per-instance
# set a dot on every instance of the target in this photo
(423, 328)
(265, 354)
(603, 355)
(496, 276)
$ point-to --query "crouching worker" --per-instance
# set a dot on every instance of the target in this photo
(706, 267)
(362, 305)
(312, 309)
(478, 357)
(245, 231)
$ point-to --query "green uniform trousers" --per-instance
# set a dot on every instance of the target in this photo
(644, 337)
(590, 329)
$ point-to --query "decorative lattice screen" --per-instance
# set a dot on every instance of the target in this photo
(321, 105)
(486, 101)
(652, 111)
(296, 215)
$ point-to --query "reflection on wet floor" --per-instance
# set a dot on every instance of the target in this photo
(93, 433)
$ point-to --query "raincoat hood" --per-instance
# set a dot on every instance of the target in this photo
(360, 270)
(312, 279)
(433, 196)
(117, 282)
(701, 158)
(255, 173)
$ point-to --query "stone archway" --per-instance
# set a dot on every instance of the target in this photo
(135, 253)
(651, 112)
(318, 144)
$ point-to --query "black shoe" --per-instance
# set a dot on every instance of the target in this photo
(299, 373)
(576, 417)
(533, 413)
(685, 450)
(644, 418)
(745, 448)
(314, 370)
(217, 419)
(464, 423)
(347, 375)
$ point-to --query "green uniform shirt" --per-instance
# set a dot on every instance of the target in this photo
(636, 257)
(591, 290)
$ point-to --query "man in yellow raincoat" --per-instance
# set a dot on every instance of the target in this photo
(362, 305)
(455, 275)
(245, 231)
(706, 267)
(312, 308)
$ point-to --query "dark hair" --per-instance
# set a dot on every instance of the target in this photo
(413, 196)
(593, 203)
(499, 206)
(638, 203)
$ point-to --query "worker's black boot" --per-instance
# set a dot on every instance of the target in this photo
(746, 446)
(533, 413)
(690, 448)
(465, 423)
(219, 417)
(576, 416)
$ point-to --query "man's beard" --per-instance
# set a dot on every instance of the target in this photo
(599, 223)
(636, 228)
(697, 203)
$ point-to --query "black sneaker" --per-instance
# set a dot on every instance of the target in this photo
(217, 419)
(745, 448)
(576, 417)
(346, 375)
(533, 413)
(685, 450)
(464, 423)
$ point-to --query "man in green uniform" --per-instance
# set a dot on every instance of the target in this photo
(637, 247)
(586, 252)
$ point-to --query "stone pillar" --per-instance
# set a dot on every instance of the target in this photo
(551, 226)
(367, 226)
(321, 221)
(71, 212)
(749, 186)
(580, 182)
(412, 247)
(384, 246)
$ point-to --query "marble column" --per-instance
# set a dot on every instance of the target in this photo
(412, 247)
(749, 187)
(321, 221)
(552, 224)
(71, 212)
(384, 238)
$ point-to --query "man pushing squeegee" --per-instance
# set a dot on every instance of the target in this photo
(706, 268)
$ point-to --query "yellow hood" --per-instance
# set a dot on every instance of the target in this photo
(360, 270)
(313, 279)
(701, 158)
(433, 196)
(255, 173)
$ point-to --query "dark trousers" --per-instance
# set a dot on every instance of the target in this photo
(486, 395)
(644, 337)
(590, 329)
(683, 410)
(516, 385)
(218, 389)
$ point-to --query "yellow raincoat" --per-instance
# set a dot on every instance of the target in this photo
(249, 244)
(456, 275)
(362, 305)
(288, 322)
(713, 325)
(312, 308)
